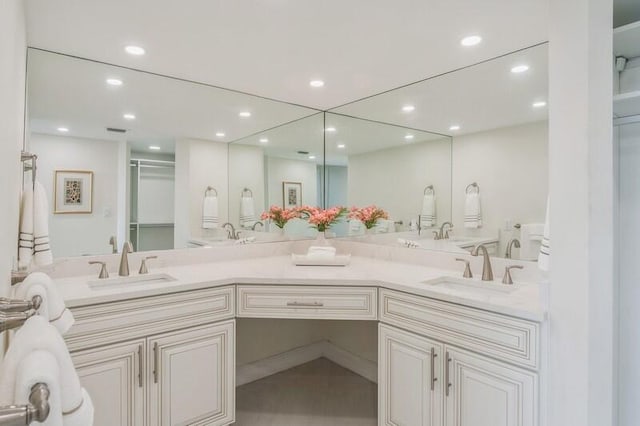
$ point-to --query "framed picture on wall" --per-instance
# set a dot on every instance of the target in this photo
(291, 194)
(73, 192)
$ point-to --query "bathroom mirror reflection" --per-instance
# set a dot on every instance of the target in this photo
(153, 145)
(495, 115)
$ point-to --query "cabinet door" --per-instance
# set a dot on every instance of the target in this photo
(112, 375)
(192, 376)
(409, 379)
(484, 392)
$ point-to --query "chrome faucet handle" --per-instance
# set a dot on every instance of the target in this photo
(113, 241)
(507, 273)
(446, 234)
(467, 268)
(436, 235)
(103, 270)
(143, 264)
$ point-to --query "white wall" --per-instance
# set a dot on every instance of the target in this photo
(394, 179)
(13, 48)
(511, 167)
(629, 293)
(246, 170)
(283, 170)
(199, 164)
(80, 234)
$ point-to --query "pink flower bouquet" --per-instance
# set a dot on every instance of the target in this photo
(368, 215)
(279, 216)
(321, 219)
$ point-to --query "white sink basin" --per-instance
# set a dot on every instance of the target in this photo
(470, 287)
(131, 280)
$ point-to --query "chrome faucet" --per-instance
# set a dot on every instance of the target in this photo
(114, 244)
(253, 228)
(124, 259)
(487, 272)
(232, 234)
(443, 234)
(513, 243)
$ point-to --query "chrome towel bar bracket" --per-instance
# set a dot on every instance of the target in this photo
(36, 411)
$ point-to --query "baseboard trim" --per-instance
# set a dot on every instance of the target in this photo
(268, 366)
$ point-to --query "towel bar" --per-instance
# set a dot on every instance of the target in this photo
(17, 305)
(210, 188)
(36, 411)
(246, 190)
(429, 188)
(471, 186)
(14, 313)
(27, 156)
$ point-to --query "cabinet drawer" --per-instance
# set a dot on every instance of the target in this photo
(311, 302)
(505, 338)
(106, 323)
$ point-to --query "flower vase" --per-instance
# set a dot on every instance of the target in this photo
(321, 239)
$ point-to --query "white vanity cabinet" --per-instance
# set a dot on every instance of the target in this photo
(159, 360)
(485, 365)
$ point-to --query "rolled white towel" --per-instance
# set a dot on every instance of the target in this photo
(428, 214)
(472, 211)
(544, 257)
(25, 244)
(53, 307)
(42, 250)
(247, 212)
(210, 218)
(38, 335)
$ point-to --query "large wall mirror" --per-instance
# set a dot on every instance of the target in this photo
(132, 155)
(489, 172)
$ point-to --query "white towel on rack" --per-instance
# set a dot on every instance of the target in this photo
(247, 212)
(472, 210)
(38, 335)
(530, 240)
(210, 218)
(42, 250)
(544, 257)
(40, 366)
(428, 214)
(25, 244)
(53, 307)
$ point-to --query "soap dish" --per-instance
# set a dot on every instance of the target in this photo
(337, 260)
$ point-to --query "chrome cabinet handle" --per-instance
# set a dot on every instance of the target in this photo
(140, 366)
(156, 363)
(306, 304)
(446, 373)
(434, 379)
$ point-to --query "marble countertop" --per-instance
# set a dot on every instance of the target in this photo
(522, 302)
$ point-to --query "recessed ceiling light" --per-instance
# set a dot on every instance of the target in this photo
(520, 69)
(471, 40)
(220, 134)
(454, 127)
(316, 83)
(114, 82)
(245, 114)
(408, 137)
(134, 50)
(341, 146)
(63, 129)
(312, 157)
(154, 148)
(408, 108)
(264, 140)
(330, 129)
(539, 104)
(129, 116)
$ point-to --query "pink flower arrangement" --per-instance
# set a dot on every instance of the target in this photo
(368, 215)
(280, 216)
(321, 219)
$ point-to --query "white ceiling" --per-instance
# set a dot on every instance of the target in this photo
(274, 48)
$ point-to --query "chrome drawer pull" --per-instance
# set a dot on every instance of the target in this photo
(447, 384)
(434, 379)
(306, 304)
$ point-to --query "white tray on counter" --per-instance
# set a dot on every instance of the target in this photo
(337, 260)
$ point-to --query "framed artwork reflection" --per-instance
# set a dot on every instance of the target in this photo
(73, 193)
(291, 194)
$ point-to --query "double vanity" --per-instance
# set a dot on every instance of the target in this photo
(160, 348)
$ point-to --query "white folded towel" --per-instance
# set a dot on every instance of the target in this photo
(53, 307)
(210, 218)
(25, 244)
(530, 240)
(247, 212)
(472, 211)
(34, 336)
(428, 214)
(42, 249)
(544, 257)
(321, 252)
